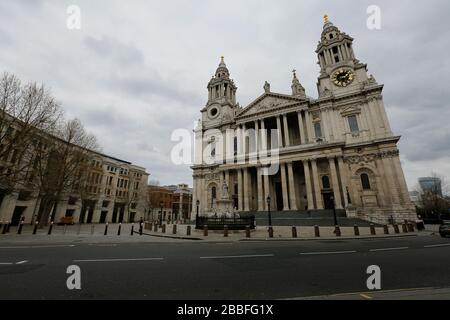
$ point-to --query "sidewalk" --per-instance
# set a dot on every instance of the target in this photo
(281, 233)
(95, 233)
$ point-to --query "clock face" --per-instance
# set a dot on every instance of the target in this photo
(343, 78)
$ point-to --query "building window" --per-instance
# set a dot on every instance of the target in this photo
(326, 182)
(318, 129)
(353, 124)
(365, 181)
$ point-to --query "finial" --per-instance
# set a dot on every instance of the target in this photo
(326, 18)
(222, 59)
(295, 73)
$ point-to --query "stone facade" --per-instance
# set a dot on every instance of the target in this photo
(115, 193)
(334, 151)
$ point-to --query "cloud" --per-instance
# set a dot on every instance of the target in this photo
(137, 71)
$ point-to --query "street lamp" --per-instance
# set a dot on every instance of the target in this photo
(334, 210)
(268, 207)
(161, 204)
(198, 205)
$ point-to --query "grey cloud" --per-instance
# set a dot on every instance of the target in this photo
(136, 71)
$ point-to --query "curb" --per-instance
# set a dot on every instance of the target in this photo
(283, 239)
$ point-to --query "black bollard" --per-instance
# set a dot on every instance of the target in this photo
(337, 231)
(396, 229)
(35, 227)
(188, 230)
(5, 228)
(356, 228)
(132, 229)
(405, 228)
(50, 228)
(270, 232)
(247, 232)
(141, 227)
(174, 229)
(373, 231)
(106, 229)
(163, 228)
(19, 231)
(205, 230)
(119, 229)
(294, 232)
(225, 231)
(317, 231)
(386, 229)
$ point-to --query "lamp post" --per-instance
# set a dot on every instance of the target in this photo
(334, 210)
(268, 207)
(161, 204)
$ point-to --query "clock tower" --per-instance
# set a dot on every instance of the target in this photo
(340, 71)
(219, 109)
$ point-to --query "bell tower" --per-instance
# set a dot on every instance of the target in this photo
(340, 71)
(219, 109)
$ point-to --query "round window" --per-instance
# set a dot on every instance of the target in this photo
(214, 112)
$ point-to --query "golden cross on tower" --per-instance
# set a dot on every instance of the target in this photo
(326, 18)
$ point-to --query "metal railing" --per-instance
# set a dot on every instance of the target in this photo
(214, 223)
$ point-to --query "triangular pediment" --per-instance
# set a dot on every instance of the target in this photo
(268, 102)
(350, 110)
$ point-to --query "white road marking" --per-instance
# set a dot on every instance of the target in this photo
(326, 253)
(22, 262)
(438, 245)
(120, 260)
(388, 249)
(237, 257)
(39, 247)
(5, 263)
(103, 245)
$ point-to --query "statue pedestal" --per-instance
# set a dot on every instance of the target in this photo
(224, 206)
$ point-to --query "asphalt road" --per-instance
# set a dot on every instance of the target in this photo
(226, 271)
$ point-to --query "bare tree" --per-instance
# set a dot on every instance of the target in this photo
(434, 202)
(26, 111)
(63, 166)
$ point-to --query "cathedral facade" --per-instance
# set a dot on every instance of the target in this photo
(297, 154)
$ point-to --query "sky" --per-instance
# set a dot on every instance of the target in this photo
(137, 70)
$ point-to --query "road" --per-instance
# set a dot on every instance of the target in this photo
(238, 270)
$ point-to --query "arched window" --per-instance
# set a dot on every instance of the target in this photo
(365, 181)
(326, 182)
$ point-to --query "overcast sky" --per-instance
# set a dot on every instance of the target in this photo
(137, 70)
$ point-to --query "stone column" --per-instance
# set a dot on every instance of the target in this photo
(309, 127)
(309, 191)
(335, 181)
(257, 137)
(240, 191)
(263, 136)
(286, 131)
(401, 180)
(280, 136)
(317, 189)
(284, 187)
(246, 191)
(244, 141)
(344, 183)
(266, 186)
(260, 189)
(292, 191)
(302, 129)
(387, 164)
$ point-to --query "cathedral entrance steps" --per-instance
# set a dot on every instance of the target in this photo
(302, 218)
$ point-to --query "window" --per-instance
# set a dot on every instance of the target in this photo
(235, 146)
(365, 181)
(353, 124)
(326, 182)
(318, 129)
